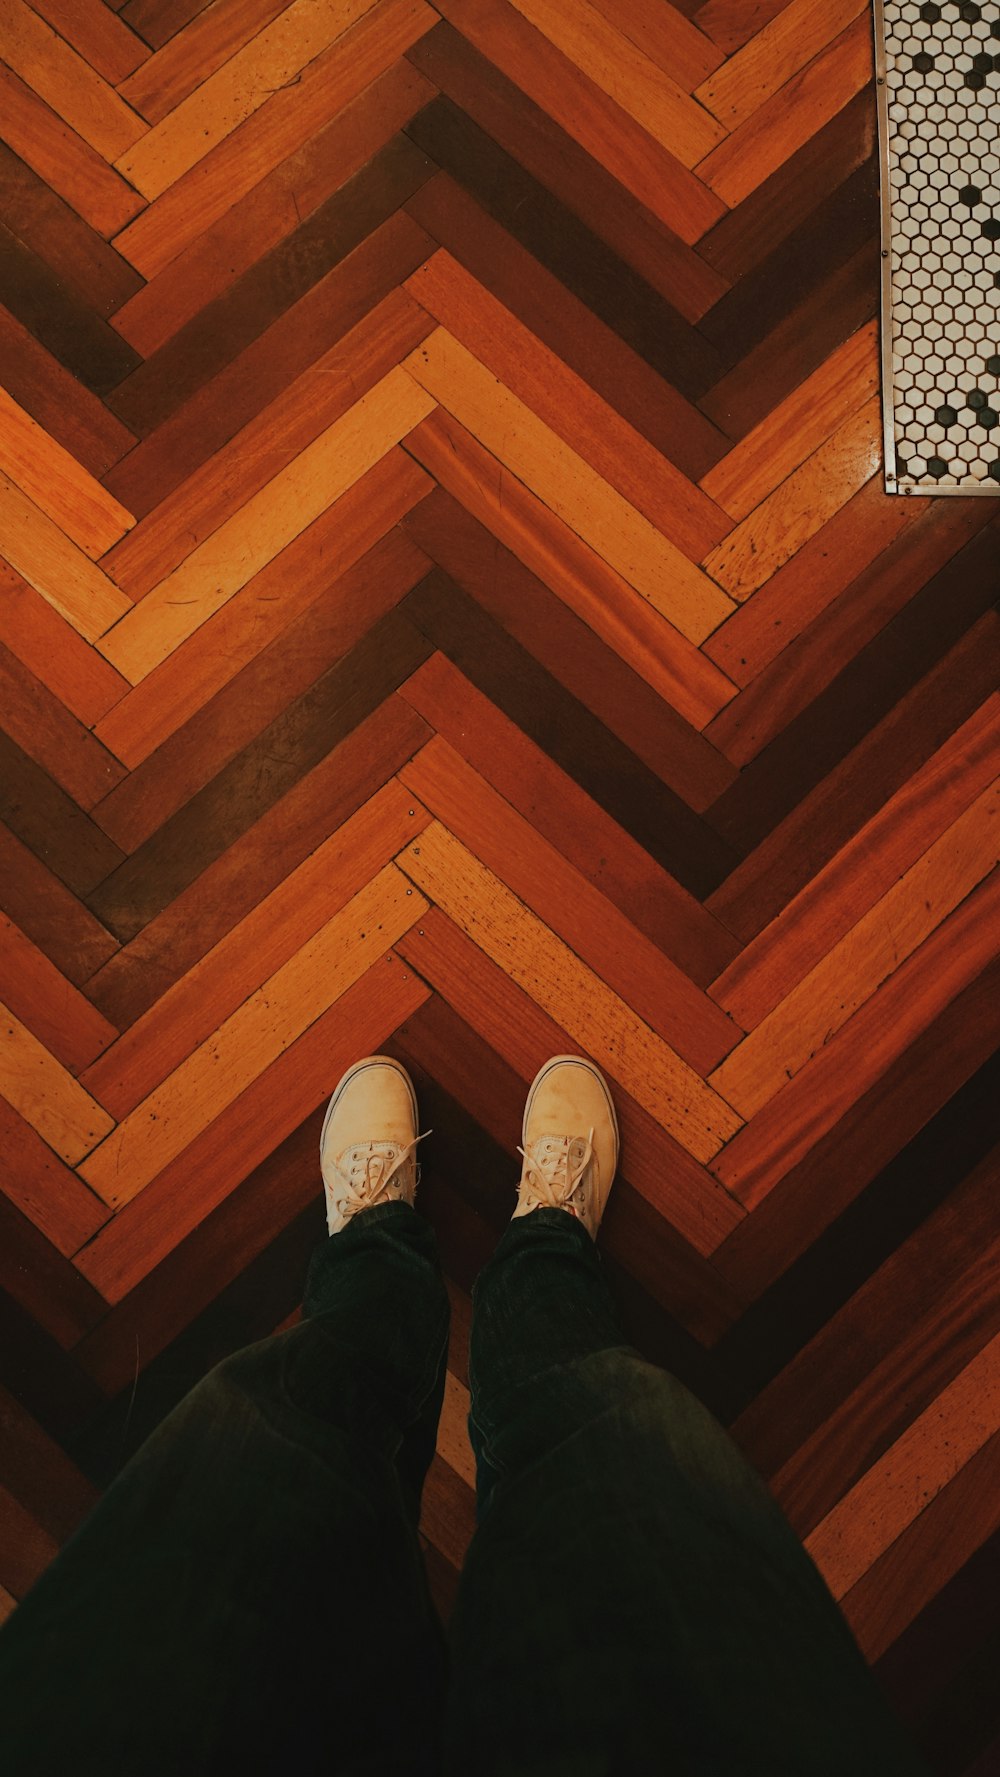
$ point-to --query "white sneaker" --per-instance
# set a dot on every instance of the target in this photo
(366, 1150)
(570, 1136)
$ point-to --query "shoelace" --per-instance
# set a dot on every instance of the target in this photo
(367, 1176)
(554, 1171)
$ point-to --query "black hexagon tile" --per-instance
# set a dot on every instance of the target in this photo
(938, 67)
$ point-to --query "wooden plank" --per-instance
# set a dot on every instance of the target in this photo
(632, 630)
(866, 956)
(250, 867)
(274, 131)
(619, 68)
(67, 82)
(262, 942)
(533, 452)
(220, 485)
(761, 67)
(327, 627)
(655, 176)
(251, 620)
(55, 233)
(592, 673)
(48, 647)
(44, 729)
(582, 338)
(911, 1473)
(103, 40)
(45, 1191)
(49, 912)
(828, 83)
(56, 483)
(566, 403)
(561, 167)
(225, 326)
(588, 838)
(63, 159)
(47, 1096)
(770, 535)
(799, 426)
(193, 53)
(275, 209)
(51, 1008)
(270, 61)
(482, 905)
(56, 567)
(290, 1089)
(862, 871)
(165, 1123)
(268, 522)
(670, 40)
(560, 896)
(70, 413)
(51, 822)
(797, 1117)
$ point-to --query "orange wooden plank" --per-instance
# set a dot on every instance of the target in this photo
(669, 39)
(57, 483)
(44, 1189)
(266, 444)
(796, 1118)
(682, 511)
(45, 729)
(797, 427)
(272, 211)
(46, 1095)
(590, 116)
(261, 943)
(590, 924)
(98, 35)
(587, 584)
(863, 870)
(785, 122)
(50, 1006)
(194, 53)
(56, 567)
(858, 963)
(756, 72)
(587, 837)
(178, 688)
(63, 159)
(250, 1128)
(66, 82)
(51, 649)
(277, 129)
(796, 509)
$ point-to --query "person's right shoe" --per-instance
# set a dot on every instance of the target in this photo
(570, 1137)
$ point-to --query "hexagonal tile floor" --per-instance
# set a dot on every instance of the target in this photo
(939, 91)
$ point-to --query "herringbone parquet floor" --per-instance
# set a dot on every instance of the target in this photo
(451, 606)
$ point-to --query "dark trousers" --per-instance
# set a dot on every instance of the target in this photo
(249, 1595)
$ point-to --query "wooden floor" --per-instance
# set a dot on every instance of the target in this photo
(452, 607)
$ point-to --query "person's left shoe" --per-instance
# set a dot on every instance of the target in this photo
(369, 1136)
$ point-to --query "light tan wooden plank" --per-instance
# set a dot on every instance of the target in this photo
(930, 1453)
(620, 69)
(46, 1095)
(797, 427)
(792, 117)
(557, 981)
(271, 60)
(209, 577)
(867, 955)
(252, 1037)
(796, 510)
(758, 70)
(669, 39)
(66, 82)
(581, 497)
(56, 567)
(57, 483)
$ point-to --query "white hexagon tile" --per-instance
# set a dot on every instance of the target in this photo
(938, 65)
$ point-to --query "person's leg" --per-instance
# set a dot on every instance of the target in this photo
(250, 1593)
(633, 1600)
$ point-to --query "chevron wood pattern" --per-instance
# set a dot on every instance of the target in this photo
(449, 605)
